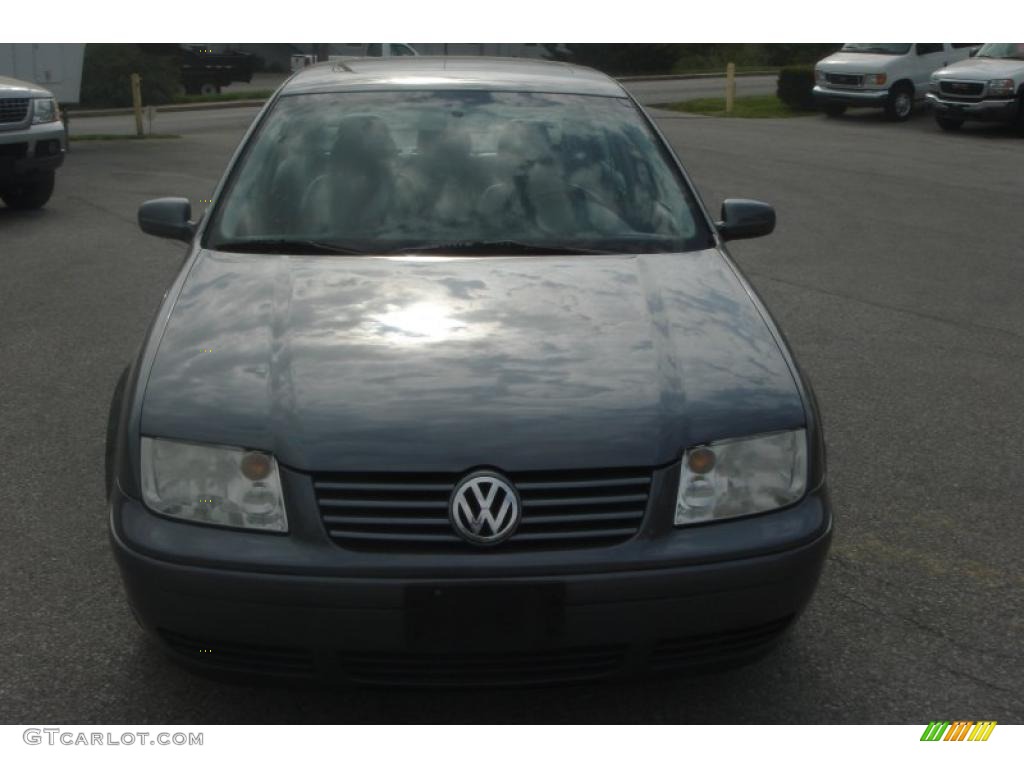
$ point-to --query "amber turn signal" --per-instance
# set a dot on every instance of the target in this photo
(256, 466)
(701, 460)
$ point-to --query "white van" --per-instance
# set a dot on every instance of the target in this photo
(893, 76)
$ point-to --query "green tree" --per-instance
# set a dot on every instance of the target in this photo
(107, 71)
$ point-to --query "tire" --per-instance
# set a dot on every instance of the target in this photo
(835, 110)
(29, 192)
(900, 104)
(209, 89)
(949, 123)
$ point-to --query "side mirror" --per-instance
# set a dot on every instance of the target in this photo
(167, 217)
(742, 219)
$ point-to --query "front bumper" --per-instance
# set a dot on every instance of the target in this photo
(713, 595)
(824, 95)
(32, 149)
(989, 110)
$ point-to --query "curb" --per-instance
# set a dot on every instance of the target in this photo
(170, 108)
(701, 76)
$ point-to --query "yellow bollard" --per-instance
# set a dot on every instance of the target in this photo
(137, 102)
(730, 87)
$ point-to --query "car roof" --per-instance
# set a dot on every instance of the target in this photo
(450, 73)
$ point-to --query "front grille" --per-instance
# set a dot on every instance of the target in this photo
(728, 646)
(525, 668)
(849, 80)
(240, 657)
(13, 110)
(386, 511)
(961, 89)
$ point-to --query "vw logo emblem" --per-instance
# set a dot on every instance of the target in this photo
(484, 508)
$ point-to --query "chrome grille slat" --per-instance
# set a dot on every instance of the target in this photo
(408, 512)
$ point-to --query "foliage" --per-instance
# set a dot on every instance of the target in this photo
(745, 106)
(619, 59)
(679, 58)
(796, 84)
(107, 71)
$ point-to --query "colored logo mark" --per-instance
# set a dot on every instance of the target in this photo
(958, 730)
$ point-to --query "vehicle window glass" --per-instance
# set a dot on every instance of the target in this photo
(375, 49)
(1001, 51)
(892, 49)
(389, 170)
(925, 48)
(402, 50)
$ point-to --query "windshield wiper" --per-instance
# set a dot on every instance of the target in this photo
(503, 248)
(289, 246)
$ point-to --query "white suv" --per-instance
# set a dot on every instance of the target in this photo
(892, 76)
(989, 86)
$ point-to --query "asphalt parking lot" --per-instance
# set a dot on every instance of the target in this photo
(896, 272)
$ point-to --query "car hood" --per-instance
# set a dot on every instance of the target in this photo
(856, 63)
(982, 69)
(443, 364)
(12, 88)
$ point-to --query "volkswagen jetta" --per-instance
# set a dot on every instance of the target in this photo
(457, 384)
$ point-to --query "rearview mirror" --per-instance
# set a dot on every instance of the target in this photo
(167, 217)
(742, 219)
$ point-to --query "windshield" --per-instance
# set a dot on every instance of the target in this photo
(1001, 51)
(894, 49)
(379, 172)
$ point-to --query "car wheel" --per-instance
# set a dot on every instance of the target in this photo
(209, 89)
(949, 123)
(900, 103)
(29, 192)
(835, 110)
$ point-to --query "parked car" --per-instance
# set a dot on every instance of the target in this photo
(458, 383)
(32, 143)
(987, 87)
(355, 50)
(891, 76)
(390, 49)
(205, 71)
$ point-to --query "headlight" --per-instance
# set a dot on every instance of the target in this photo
(212, 484)
(1000, 88)
(733, 478)
(44, 110)
(875, 79)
